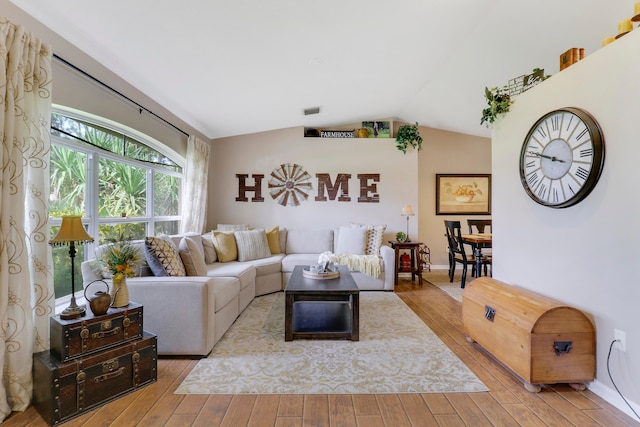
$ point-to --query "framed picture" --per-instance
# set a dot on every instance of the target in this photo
(463, 194)
(378, 129)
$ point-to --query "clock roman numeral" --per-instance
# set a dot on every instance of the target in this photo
(587, 152)
(582, 134)
(555, 122)
(533, 179)
(542, 133)
(530, 164)
(554, 195)
(582, 173)
(542, 190)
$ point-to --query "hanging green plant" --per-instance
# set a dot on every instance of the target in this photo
(408, 136)
(499, 103)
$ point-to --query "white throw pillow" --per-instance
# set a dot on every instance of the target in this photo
(351, 241)
(375, 233)
(232, 227)
(252, 244)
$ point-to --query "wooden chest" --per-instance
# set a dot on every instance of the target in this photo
(538, 338)
(63, 390)
(89, 334)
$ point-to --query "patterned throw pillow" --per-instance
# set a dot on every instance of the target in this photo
(163, 257)
(375, 233)
(225, 244)
(252, 244)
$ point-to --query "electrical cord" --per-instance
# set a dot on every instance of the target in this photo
(613, 382)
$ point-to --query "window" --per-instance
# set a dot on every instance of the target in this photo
(119, 180)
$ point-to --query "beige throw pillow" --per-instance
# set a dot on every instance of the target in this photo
(192, 256)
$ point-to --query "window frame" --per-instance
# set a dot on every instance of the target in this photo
(93, 154)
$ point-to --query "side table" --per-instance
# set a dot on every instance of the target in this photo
(416, 266)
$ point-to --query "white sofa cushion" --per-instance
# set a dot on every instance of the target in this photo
(252, 244)
(309, 241)
(232, 227)
(351, 240)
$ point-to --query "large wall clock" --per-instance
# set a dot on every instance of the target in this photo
(562, 157)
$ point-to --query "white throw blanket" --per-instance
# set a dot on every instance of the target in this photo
(367, 264)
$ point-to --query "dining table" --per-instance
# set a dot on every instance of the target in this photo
(478, 241)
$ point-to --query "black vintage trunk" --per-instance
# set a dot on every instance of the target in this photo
(89, 334)
(63, 390)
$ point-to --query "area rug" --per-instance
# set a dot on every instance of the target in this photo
(440, 278)
(397, 353)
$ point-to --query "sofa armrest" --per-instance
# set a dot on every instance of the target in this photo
(179, 310)
(389, 259)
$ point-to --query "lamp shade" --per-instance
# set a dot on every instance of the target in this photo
(71, 230)
(407, 211)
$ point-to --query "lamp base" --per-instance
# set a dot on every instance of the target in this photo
(73, 312)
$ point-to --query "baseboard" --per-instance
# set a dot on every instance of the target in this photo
(611, 396)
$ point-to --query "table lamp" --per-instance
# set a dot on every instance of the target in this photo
(71, 231)
(407, 211)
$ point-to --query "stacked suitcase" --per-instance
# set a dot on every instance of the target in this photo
(92, 360)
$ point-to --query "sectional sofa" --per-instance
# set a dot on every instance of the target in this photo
(191, 310)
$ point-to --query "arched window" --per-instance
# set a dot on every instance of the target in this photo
(125, 185)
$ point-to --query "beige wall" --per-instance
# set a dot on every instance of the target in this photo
(444, 153)
(405, 179)
(261, 153)
(583, 255)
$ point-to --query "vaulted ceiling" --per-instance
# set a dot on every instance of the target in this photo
(230, 67)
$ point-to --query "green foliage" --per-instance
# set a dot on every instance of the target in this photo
(499, 103)
(401, 236)
(408, 136)
(120, 257)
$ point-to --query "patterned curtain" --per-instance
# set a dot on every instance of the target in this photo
(26, 279)
(194, 194)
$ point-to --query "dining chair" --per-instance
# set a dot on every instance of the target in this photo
(479, 226)
(457, 253)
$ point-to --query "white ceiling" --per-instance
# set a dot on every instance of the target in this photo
(230, 67)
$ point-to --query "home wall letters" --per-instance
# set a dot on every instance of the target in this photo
(328, 190)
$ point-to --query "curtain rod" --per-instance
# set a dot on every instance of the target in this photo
(84, 73)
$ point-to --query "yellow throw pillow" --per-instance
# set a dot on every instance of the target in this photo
(225, 244)
(273, 238)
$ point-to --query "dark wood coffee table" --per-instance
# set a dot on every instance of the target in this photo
(322, 308)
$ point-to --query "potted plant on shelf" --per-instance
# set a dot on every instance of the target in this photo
(499, 102)
(408, 136)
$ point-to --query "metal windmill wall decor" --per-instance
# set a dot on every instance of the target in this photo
(289, 184)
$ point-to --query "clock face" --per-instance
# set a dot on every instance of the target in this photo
(562, 158)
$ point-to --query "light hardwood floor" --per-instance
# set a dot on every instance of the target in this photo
(507, 404)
